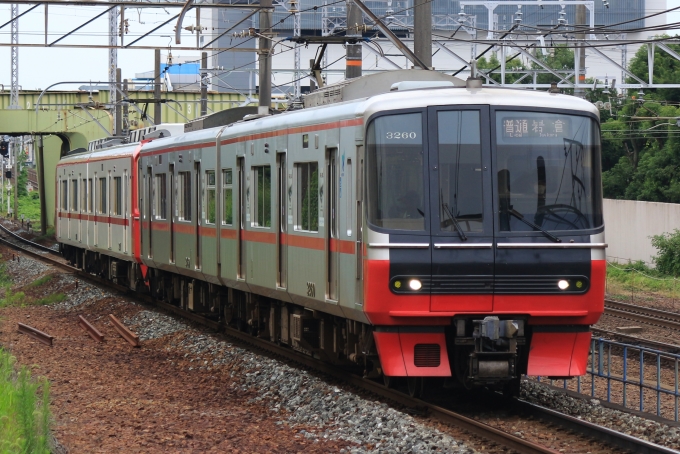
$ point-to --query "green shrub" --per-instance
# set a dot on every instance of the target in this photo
(667, 260)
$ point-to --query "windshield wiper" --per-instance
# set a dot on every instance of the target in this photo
(519, 216)
(453, 220)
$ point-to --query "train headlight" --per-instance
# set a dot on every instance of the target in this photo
(563, 285)
(415, 284)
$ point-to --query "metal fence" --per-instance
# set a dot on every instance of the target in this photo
(631, 376)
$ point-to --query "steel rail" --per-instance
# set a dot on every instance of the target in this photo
(125, 333)
(639, 341)
(581, 427)
(643, 314)
(35, 334)
(29, 242)
(91, 330)
(600, 433)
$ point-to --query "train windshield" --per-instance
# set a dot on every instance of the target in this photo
(547, 171)
(396, 190)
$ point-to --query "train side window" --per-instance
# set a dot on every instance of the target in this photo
(74, 195)
(118, 196)
(102, 196)
(83, 195)
(210, 197)
(263, 194)
(307, 175)
(160, 197)
(227, 198)
(184, 200)
(64, 195)
(348, 196)
(90, 196)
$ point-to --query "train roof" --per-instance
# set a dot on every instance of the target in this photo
(358, 108)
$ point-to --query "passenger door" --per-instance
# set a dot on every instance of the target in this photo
(461, 210)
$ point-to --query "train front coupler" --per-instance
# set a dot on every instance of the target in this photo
(492, 346)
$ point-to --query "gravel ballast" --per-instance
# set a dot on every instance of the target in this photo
(592, 411)
(302, 401)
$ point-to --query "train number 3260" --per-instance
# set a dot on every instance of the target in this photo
(400, 135)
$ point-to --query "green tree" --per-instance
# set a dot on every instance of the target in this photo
(666, 71)
(23, 174)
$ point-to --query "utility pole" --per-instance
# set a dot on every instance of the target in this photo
(157, 87)
(41, 188)
(353, 56)
(14, 90)
(265, 59)
(113, 64)
(204, 83)
(126, 108)
(580, 57)
(297, 74)
(118, 109)
(16, 177)
(422, 30)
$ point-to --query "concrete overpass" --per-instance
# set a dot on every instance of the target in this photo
(67, 120)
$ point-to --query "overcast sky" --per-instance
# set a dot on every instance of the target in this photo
(40, 67)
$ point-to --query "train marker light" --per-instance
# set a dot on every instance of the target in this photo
(579, 284)
(563, 285)
(397, 284)
(415, 284)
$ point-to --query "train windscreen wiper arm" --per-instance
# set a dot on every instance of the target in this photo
(519, 216)
(455, 223)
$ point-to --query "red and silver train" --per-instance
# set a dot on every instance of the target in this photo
(426, 228)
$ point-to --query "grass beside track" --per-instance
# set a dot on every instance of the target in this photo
(24, 410)
(640, 282)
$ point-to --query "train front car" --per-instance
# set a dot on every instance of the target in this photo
(484, 255)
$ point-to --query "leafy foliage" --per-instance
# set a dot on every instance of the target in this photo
(641, 147)
(667, 260)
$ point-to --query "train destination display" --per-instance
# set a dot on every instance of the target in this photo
(551, 126)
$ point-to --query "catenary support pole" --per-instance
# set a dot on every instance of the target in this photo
(204, 83)
(118, 130)
(422, 31)
(265, 59)
(581, 50)
(41, 187)
(16, 177)
(353, 59)
(157, 87)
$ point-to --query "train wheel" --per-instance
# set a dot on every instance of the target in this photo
(511, 388)
(415, 386)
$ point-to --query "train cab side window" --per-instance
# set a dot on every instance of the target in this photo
(118, 196)
(210, 197)
(64, 195)
(160, 197)
(74, 195)
(227, 198)
(307, 175)
(184, 199)
(394, 173)
(102, 196)
(263, 196)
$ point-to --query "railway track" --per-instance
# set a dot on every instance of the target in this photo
(633, 340)
(479, 429)
(642, 314)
